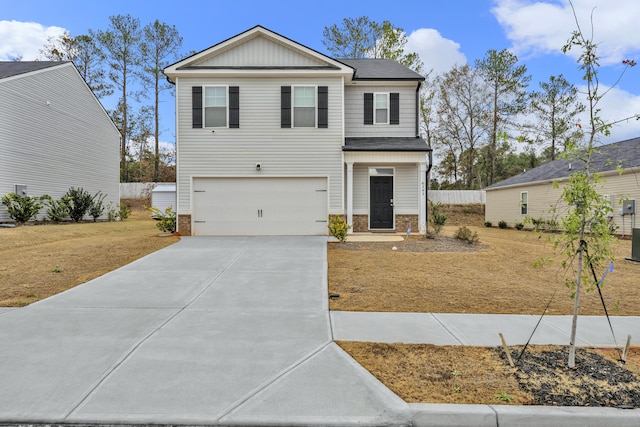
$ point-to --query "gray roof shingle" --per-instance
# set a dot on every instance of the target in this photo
(385, 144)
(607, 158)
(380, 69)
(14, 68)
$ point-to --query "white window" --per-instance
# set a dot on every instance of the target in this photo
(524, 203)
(304, 106)
(215, 106)
(381, 108)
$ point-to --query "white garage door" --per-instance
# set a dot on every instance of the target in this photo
(260, 206)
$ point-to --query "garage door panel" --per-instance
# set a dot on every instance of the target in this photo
(260, 206)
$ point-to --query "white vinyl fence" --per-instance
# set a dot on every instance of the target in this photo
(136, 190)
(457, 197)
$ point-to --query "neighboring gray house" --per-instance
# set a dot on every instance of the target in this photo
(54, 133)
(272, 137)
(532, 193)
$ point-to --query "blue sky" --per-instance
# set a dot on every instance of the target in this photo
(442, 32)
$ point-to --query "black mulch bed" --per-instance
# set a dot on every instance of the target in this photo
(595, 381)
(413, 244)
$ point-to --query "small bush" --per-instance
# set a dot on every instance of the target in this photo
(57, 210)
(436, 220)
(21, 208)
(488, 224)
(112, 212)
(124, 211)
(79, 203)
(502, 224)
(338, 228)
(467, 235)
(519, 225)
(97, 205)
(166, 220)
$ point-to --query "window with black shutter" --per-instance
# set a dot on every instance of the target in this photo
(234, 107)
(285, 106)
(323, 106)
(368, 108)
(196, 106)
(394, 113)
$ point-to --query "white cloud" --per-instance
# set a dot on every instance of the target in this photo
(24, 39)
(436, 52)
(543, 27)
(617, 105)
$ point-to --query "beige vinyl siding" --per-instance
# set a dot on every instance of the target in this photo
(260, 52)
(504, 203)
(405, 187)
(55, 135)
(354, 114)
(260, 139)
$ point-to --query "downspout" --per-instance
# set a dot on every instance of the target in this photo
(426, 190)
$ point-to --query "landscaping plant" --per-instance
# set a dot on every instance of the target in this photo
(21, 208)
(97, 207)
(436, 220)
(338, 228)
(79, 203)
(166, 220)
(57, 210)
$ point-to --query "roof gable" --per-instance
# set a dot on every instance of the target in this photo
(606, 158)
(257, 49)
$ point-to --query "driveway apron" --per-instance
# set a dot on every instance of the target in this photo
(211, 330)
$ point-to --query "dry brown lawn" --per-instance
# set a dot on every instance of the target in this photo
(42, 260)
(448, 276)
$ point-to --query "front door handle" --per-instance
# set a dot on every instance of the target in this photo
(391, 202)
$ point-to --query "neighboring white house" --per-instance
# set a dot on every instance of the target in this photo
(532, 193)
(272, 137)
(54, 133)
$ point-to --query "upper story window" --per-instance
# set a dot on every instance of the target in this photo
(215, 106)
(304, 106)
(381, 108)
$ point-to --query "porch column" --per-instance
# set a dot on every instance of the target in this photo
(422, 209)
(350, 196)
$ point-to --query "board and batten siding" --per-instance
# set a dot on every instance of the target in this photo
(54, 135)
(260, 52)
(503, 204)
(354, 114)
(405, 187)
(260, 138)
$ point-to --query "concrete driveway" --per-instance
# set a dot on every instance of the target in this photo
(209, 330)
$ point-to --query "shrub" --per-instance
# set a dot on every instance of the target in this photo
(21, 208)
(488, 224)
(166, 220)
(57, 210)
(338, 228)
(79, 203)
(112, 212)
(502, 224)
(436, 220)
(97, 206)
(124, 211)
(519, 225)
(467, 235)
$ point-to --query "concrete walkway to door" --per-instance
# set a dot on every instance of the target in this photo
(209, 330)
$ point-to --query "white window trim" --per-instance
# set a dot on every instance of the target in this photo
(375, 116)
(527, 204)
(293, 107)
(204, 107)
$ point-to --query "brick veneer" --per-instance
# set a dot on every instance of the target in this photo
(184, 225)
(361, 223)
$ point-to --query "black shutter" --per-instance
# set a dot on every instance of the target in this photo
(285, 106)
(368, 108)
(323, 106)
(234, 107)
(394, 116)
(196, 106)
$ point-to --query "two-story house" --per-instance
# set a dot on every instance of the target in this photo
(273, 137)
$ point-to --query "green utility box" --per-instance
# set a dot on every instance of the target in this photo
(635, 245)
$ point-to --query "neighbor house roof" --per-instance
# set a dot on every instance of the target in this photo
(606, 158)
(380, 69)
(14, 68)
(385, 144)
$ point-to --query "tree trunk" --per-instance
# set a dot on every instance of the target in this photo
(576, 303)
